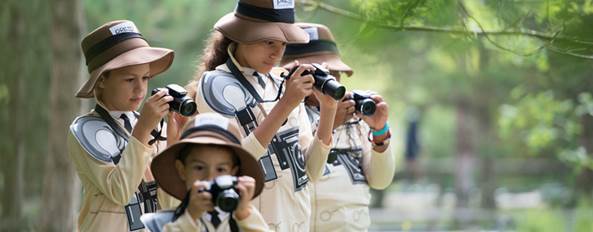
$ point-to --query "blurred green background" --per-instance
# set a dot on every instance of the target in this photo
(500, 93)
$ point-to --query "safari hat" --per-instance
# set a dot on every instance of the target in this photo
(321, 48)
(115, 45)
(204, 129)
(256, 20)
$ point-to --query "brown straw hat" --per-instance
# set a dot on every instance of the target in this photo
(207, 129)
(321, 48)
(119, 44)
(256, 20)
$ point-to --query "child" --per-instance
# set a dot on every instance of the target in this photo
(340, 199)
(209, 150)
(237, 83)
(111, 146)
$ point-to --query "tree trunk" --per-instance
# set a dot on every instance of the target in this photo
(12, 171)
(464, 157)
(60, 189)
(584, 181)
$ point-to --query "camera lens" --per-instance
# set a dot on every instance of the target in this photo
(333, 89)
(366, 106)
(228, 200)
(187, 108)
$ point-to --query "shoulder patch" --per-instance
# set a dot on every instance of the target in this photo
(225, 94)
(155, 222)
(97, 138)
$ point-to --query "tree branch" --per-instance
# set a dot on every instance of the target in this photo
(459, 31)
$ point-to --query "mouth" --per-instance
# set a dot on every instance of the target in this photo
(136, 99)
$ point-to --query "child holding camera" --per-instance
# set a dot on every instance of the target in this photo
(112, 146)
(360, 157)
(213, 176)
(237, 83)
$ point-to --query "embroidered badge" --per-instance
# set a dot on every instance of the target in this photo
(283, 4)
(313, 33)
(126, 27)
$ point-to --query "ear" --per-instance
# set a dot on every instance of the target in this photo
(180, 169)
(100, 82)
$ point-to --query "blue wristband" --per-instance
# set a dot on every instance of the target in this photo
(382, 131)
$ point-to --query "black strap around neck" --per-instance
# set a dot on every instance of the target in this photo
(239, 75)
(111, 122)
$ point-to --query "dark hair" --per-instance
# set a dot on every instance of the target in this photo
(214, 54)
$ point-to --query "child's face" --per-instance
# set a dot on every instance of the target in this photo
(125, 88)
(205, 163)
(261, 56)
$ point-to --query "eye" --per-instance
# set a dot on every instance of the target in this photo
(199, 167)
(269, 42)
(222, 170)
(145, 78)
(130, 80)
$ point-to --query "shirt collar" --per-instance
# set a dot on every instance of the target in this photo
(117, 114)
(221, 215)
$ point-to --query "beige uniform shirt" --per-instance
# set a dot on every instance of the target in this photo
(341, 197)
(285, 201)
(109, 187)
(254, 222)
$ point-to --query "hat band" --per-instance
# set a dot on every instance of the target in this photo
(271, 15)
(312, 47)
(108, 43)
(211, 128)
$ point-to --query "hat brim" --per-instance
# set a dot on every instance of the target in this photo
(165, 173)
(333, 61)
(244, 30)
(160, 59)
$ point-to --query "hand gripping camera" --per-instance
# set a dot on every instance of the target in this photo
(324, 82)
(224, 194)
(363, 102)
(181, 102)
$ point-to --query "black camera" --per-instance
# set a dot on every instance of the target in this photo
(363, 102)
(224, 194)
(181, 102)
(324, 82)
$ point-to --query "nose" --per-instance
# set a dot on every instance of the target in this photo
(139, 86)
(211, 174)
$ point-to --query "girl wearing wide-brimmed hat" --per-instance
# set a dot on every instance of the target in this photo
(112, 146)
(208, 150)
(236, 80)
(341, 198)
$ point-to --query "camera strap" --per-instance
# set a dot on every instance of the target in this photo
(239, 75)
(157, 135)
(111, 122)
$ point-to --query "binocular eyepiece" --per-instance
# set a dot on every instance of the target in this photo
(324, 82)
(181, 103)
